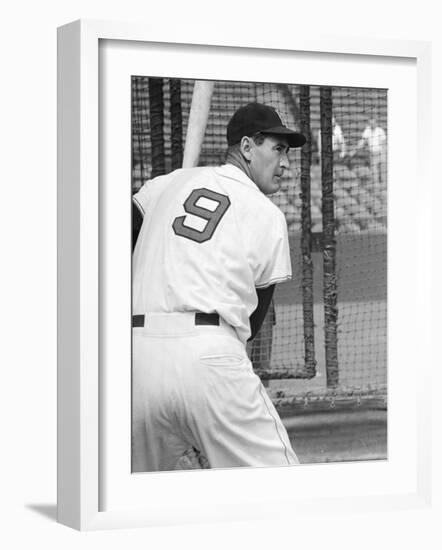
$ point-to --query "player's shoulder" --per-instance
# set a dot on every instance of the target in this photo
(156, 185)
(276, 216)
(195, 173)
(193, 177)
(179, 173)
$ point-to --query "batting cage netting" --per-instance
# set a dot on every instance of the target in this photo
(324, 340)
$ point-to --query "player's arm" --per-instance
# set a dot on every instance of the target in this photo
(137, 221)
(257, 318)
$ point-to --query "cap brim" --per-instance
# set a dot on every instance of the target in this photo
(294, 139)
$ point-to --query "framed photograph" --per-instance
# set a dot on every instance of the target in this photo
(313, 288)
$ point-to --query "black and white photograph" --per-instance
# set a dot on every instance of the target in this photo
(221, 275)
(259, 274)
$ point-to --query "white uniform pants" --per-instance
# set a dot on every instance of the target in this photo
(194, 386)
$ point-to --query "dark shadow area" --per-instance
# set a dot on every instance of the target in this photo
(48, 511)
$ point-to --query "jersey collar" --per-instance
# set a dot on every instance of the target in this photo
(234, 173)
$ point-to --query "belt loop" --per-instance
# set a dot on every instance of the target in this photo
(206, 319)
(138, 320)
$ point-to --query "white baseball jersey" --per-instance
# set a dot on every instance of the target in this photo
(375, 138)
(209, 238)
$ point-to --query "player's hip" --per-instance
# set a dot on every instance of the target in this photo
(180, 324)
(188, 338)
(180, 359)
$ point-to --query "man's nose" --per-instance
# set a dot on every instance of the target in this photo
(284, 162)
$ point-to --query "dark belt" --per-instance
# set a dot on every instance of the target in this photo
(200, 319)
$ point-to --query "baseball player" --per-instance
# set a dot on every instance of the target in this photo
(375, 139)
(210, 250)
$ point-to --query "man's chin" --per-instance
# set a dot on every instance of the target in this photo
(273, 188)
(276, 184)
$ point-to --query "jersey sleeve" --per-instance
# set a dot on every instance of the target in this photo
(272, 254)
(141, 198)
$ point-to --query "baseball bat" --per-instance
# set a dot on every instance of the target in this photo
(199, 113)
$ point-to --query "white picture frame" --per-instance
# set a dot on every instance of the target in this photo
(80, 446)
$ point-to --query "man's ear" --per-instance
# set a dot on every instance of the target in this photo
(245, 147)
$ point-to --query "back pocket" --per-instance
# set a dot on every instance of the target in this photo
(224, 360)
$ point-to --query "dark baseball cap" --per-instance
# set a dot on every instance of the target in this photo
(258, 118)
